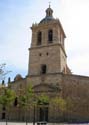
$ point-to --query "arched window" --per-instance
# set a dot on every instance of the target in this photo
(16, 102)
(39, 38)
(43, 69)
(50, 36)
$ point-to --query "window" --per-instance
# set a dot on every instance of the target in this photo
(43, 69)
(47, 53)
(40, 54)
(39, 38)
(50, 36)
(49, 13)
(16, 102)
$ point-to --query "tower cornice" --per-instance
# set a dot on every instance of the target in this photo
(41, 47)
(46, 24)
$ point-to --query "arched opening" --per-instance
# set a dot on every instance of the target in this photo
(43, 103)
(43, 69)
(3, 115)
(16, 102)
(43, 113)
(39, 38)
(50, 36)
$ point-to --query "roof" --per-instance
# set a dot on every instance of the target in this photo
(47, 19)
(49, 16)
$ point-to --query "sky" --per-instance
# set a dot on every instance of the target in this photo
(16, 18)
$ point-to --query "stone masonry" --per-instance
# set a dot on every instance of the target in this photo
(49, 73)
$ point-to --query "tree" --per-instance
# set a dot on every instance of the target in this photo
(43, 99)
(23, 104)
(25, 99)
(59, 102)
(59, 105)
(71, 106)
(7, 99)
(3, 71)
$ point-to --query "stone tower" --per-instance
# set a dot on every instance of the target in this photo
(47, 53)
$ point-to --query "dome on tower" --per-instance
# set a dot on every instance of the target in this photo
(49, 16)
(18, 77)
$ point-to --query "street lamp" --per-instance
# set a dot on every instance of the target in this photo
(34, 116)
(34, 110)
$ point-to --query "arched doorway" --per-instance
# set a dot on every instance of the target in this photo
(3, 115)
(43, 113)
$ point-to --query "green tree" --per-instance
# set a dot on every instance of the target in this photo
(43, 99)
(7, 99)
(59, 105)
(23, 104)
(71, 105)
(25, 99)
(59, 102)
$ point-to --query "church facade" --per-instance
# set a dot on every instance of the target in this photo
(49, 73)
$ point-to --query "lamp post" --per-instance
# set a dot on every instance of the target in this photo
(34, 111)
(34, 115)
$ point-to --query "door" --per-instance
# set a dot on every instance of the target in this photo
(43, 114)
(3, 115)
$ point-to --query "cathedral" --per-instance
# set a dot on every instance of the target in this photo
(49, 73)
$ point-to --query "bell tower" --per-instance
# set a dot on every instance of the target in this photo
(47, 53)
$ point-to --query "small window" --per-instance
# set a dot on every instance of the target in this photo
(40, 54)
(16, 102)
(43, 69)
(47, 53)
(39, 38)
(50, 36)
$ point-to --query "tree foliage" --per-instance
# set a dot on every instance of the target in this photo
(30, 92)
(22, 101)
(25, 99)
(59, 102)
(7, 97)
(70, 104)
(43, 99)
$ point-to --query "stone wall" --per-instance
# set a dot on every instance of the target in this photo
(45, 55)
(75, 89)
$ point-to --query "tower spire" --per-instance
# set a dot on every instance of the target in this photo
(49, 4)
(49, 11)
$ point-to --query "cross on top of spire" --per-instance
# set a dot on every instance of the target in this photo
(49, 14)
(49, 4)
(49, 11)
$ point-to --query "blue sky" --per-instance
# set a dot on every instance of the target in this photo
(16, 18)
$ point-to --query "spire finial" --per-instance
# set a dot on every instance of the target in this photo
(49, 4)
(49, 11)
